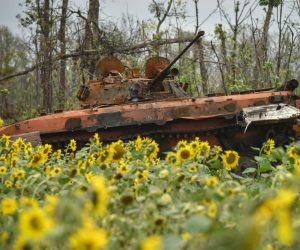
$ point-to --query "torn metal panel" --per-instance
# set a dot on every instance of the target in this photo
(268, 113)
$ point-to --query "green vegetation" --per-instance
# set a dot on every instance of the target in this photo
(122, 195)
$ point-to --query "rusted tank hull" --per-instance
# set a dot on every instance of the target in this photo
(212, 118)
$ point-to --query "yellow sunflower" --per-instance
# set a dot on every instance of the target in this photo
(172, 159)
(91, 160)
(72, 145)
(58, 154)
(186, 236)
(18, 174)
(51, 203)
(138, 143)
(47, 149)
(123, 168)
(87, 238)
(212, 210)
(152, 150)
(212, 181)
(106, 155)
(297, 165)
(13, 160)
(28, 202)
(118, 149)
(47, 170)
(38, 158)
(88, 176)
(215, 152)
(192, 169)
(230, 159)
(185, 153)
(6, 140)
(99, 195)
(97, 139)
(3, 170)
(204, 149)
(56, 171)
(9, 206)
(140, 176)
(268, 146)
(17, 145)
(21, 244)
(34, 223)
(294, 152)
(28, 148)
(8, 183)
(153, 242)
(181, 144)
(195, 144)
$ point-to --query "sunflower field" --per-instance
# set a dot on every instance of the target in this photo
(123, 196)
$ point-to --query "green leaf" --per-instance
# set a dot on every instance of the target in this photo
(249, 170)
(235, 176)
(197, 224)
(216, 164)
(278, 153)
(256, 149)
(259, 158)
(265, 166)
(173, 242)
(63, 180)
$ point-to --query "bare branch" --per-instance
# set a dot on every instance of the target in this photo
(220, 67)
(121, 50)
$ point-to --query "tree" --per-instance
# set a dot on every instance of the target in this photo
(241, 13)
(202, 65)
(12, 59)
(92, 37)
(46, 53)
(161, 12)
(38, 15)
(62, 45)
(270, 4)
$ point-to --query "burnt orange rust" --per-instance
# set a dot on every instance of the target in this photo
(159, 112)
(120, 104)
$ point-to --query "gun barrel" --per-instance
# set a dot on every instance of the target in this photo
(163, 74)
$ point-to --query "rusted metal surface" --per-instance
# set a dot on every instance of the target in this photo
(108, 65)
(154, 66)
(158, 112)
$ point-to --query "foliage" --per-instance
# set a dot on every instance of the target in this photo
(274, 3)
(122, 195)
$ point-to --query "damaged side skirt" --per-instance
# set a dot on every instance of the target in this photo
(267, 113)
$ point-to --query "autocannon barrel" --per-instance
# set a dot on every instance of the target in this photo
(165, 72)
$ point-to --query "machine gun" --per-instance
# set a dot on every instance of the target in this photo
(157, 81)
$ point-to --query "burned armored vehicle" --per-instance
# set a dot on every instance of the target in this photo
(122, 104)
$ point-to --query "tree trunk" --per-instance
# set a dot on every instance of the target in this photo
(46, 66)
(264, 42)
(278, 63)
(203, 69)
(62, 45)
(91, 40)
(234, 52)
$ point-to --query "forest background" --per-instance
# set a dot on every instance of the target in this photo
(255, 45)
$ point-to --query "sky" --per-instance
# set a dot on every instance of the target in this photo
(114, 9)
